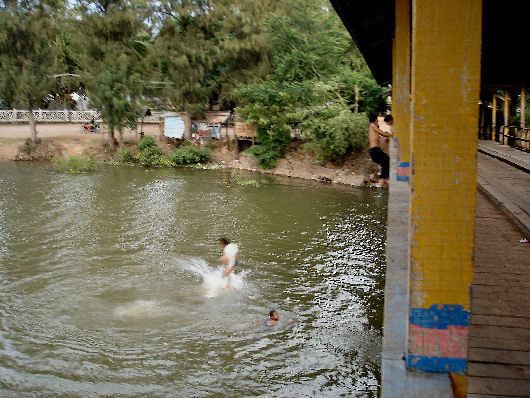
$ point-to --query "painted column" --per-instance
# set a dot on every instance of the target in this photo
(401, 89)
(506, 128)
(522, 133)
(446, 47)
(494, 117)
(523, 108)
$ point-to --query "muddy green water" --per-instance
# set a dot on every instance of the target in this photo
(104, 279)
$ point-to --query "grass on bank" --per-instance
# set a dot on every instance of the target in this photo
(239, 179)
(75, 164)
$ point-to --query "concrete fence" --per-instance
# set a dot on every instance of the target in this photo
(61, 116)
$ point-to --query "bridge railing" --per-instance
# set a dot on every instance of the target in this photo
(61, 116)
(514, 136)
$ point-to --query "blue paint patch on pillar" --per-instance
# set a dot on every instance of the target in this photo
(437, 364)
(439, 316)
(403, 171)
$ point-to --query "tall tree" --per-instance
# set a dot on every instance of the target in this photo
(204, 49)
(112, 40)
(68, 81)
(28, 53)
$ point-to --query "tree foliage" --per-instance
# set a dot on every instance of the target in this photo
(27, 54)
(289, 67)
(112, 43)
(311, 89)
(205, 49)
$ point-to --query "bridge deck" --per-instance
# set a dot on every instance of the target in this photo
(512, 156)
(507, 186)
(499, 332)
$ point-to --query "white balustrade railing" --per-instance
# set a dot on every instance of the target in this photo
(61, 116)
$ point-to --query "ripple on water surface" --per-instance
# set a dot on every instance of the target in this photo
(109, 285)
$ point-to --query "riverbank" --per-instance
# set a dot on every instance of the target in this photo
(64, 140)
(300, 164)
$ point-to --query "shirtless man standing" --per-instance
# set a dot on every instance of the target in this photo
(376, 153)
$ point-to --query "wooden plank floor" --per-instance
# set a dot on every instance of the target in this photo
(515, 157)
(509, 181)
(499, 331)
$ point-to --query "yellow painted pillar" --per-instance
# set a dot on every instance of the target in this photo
(494, 117)
(401, 88)
(506, 128)
(445, 81)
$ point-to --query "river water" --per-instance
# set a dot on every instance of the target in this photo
(109, 285)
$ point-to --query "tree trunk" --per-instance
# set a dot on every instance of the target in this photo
(32, 127)
(112, 139)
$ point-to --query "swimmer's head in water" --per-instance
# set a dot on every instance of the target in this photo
(223, 240)
(273, 314)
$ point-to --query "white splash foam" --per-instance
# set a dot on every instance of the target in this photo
(213, 279)
(143, 308)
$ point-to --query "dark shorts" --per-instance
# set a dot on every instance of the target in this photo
(381, 158)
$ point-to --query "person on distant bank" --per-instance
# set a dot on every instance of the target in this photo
(376, 153)
(229, 258)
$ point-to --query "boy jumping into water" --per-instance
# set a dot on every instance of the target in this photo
(229, 258)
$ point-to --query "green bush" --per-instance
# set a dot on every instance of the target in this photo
(151, 156)
(189, 155)
(125, 157)
(146, 142)
(75, 164)
(336, 133)
(266, 154)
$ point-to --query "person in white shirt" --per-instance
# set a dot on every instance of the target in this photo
(229, 258)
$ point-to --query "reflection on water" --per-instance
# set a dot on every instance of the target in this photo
(110, 286)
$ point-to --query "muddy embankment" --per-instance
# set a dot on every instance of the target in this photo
(62, 140)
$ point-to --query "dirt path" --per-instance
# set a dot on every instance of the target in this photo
(50, 130)
(60, 139)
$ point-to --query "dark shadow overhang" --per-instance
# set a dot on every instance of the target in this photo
(371, 25)
(505, 56)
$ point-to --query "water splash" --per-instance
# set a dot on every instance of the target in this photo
(213, 279)
(139, 308)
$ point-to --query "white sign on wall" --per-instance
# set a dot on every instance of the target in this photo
(174, 127)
